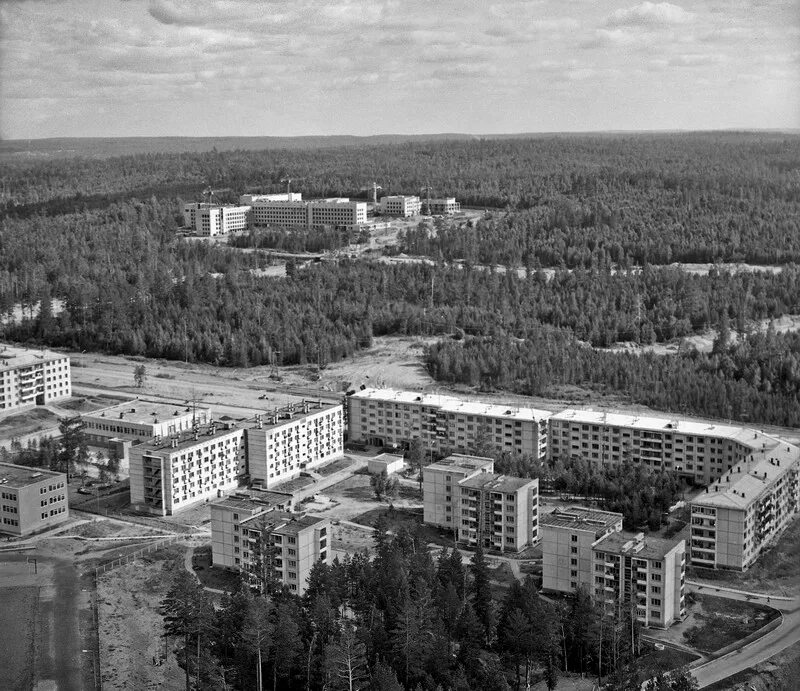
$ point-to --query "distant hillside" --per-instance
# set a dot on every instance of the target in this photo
(102, 147)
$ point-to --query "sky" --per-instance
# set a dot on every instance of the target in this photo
(314, 67)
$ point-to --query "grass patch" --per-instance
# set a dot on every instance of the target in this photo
(654, 662)
(725, 622)
(31, 420)
(210, 576)
(333, 467)
(17, 634)
(410, 520)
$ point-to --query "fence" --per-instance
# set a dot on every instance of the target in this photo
(136, 554)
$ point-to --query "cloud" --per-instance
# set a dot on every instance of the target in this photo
(176, 13)
(650, 15)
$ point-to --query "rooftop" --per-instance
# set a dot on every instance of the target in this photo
(580, 518)
(16, 476)
(747, 436)
(459, 461)
(637, 545)
(253, 501)
(496, 483)
(748, 480)
(145, 412)
(12, 357)
(284, 522)
(451, 404)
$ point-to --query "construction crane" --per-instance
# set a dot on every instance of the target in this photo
(427, 189)
(289, 182)
(374, 187)
(209, 193)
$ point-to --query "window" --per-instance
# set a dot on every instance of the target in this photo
(574, 538)
(573, 550)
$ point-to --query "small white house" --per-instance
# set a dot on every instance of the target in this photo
(389, 462)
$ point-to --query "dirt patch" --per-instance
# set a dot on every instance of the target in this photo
(657, 662)
(211, 576)
(83, 404)
(130, 626)
(720, 622)
(333, 467)
(17, 624)
(102, 528)
(33, 420)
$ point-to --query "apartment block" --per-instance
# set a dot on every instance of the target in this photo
(399, 205)
(31, 499)
(444, 207)
(649, 571)
(32, 377)
(567, 538)
(288, 440)
(170, 474)
(264, 542)
(391, 418)
(746, 509)
(698, 451)
(336, 212)
(440, 487)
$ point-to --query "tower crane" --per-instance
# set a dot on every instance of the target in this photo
(289, 182)
(210, 194)
(374, 187)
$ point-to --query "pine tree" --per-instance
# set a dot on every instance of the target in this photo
(480, 589)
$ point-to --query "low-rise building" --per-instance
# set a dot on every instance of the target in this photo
(31, 499)
(284, 442)
(440, 487)
(747, 508)
(32, 377)
(567, 538)
(170, 474)
(445, 424)
(267, 544)
(399, 205)
(385, 463)
(649, 571)
(444, 207)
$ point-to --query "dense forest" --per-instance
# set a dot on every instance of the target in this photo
(97, 237)
(402, 621)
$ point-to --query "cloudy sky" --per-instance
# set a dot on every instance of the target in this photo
(294, 67)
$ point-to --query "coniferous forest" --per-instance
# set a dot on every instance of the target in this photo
(606, 215)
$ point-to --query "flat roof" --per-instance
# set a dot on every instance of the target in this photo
(463, 462)
(752, 477)
(144, 412)
(495, 482)
(250, 501)
(285, 522)
(636, 545)
(12, 357)
(580, 518)
(17, 476)
(451, 404)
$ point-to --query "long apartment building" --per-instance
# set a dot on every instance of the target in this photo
(698, 451)
(216, 219)
(31, 499)
(586, 548)
(336, 212)
(266, 543)
(498, 512)
(284, 442)
(399, 205)
(745, 510)
(387, 417)
(32, 377)
(170, 474)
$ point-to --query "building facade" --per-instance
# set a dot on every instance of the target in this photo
(267, 544)
(31, 499)
(221, 220)
(385, 463)
(399, 205)
(294, 438)
(444, 207)
(250, 199)
(170, 474)
(440, 487)
(32, 377)
(746, 509)
(391, 418)
(698, 451)
(336, 212)
(650, 572)
(567, 539)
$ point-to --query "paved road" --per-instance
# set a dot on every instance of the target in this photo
(772, 643)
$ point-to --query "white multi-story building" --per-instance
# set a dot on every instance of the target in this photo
(337, 212)
(747, 508)
(440, 484)
(169, 474)
(32, 377)
(250, 199)
(444, 207)
(387, 417)
(698, 451)
(288, 440)
(221, 220)
(266, 543)
(567, 538)
(31, 499)
(190, 210)
(399, 205)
